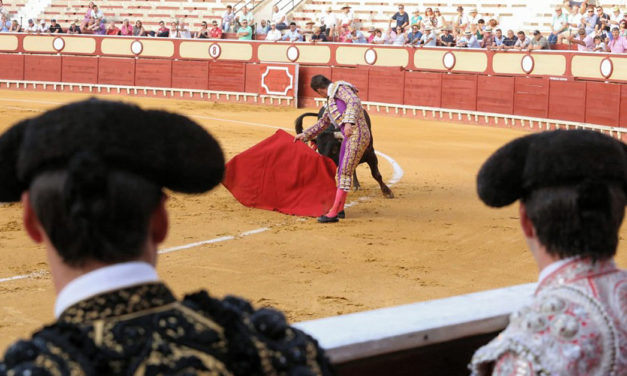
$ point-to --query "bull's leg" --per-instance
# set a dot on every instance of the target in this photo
(356, 185)
(373, 163)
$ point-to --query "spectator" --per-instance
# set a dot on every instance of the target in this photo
(601, 17)
(413, 38)
(429, 19)
(273, 34)
(126, 29)
(292, 34)
(589, 21)
(439, 21)
(245, 15)
(347, 17)
(474, 29)
(428, 39)
(278, 17)
(584, 42)
(461, 21)
(509, 41)
(138, 29)
(54, 27)
(31, 27)
(599, 46)
(203, 32)
(99, 27)
(15, 27)
(558, 25)
(245, 32)
(319, 35)
(227, 19)
(447, 39)
(371, 33)
(523, 41)
(216, 31)
(357, 36)
(538, 42)
(88, 18)
(162, 31)
(42, 28)
(307, 32)
(184, 31)
(498, 39)
(3, 10)
(74, 28)
(328, 22)
(262, 28)
(113, 29)
(616, 17)
(571, 191)
(479, 29)
(618, 44)
(175, 30)
(416, 18)
(379, 38)
(493, 23)
(400, 37)
(623, 29)
(401, 17)
(574, 23)
(474, 16)
(5, 25)
(464, 39)
(488, 38)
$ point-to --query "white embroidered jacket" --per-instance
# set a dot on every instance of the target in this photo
(575, 326)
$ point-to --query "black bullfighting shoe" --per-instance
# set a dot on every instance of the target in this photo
(325, 219)
(341, 215)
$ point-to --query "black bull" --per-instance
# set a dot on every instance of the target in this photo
(329, 143)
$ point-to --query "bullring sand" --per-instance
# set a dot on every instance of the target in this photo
(434, 240)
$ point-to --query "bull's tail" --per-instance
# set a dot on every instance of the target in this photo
(367, 119)
(298, 123)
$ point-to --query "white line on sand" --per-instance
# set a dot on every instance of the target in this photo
(396, 177)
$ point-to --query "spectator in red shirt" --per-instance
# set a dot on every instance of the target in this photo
(372, 34)
(112, 29)
(216, 31)
(126, 29)
(163, 31)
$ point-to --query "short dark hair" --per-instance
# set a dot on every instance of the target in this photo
(92, 214)
(578, 220)
(320, 82)
(521, 33)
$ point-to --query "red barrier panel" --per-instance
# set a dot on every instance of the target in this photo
(116, 71)
(459, 91)
(253, 78)
(602, 103)
(79, 69)
(153, 72)
(567, 100)
(188, 74)
(12, 67)
(531, 97)
(495, 94)
(227, 76)
(304, 79)
(623, 106)
(356, 76)
(386, 85)
(42, 68)
(423, 89)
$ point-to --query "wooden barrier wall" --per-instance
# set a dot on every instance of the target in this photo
(561, 85)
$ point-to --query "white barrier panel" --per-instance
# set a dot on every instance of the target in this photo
(381, 331)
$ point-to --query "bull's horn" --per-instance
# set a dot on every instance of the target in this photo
(338, 135)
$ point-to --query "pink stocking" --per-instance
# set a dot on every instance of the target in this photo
(338, 205)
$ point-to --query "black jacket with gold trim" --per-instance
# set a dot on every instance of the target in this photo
(144, 330)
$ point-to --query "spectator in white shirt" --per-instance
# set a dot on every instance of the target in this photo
(428, 39)
(273, 34)
(3, 10)
(347, 17)
(616, 17)
(574, 23)
(245, 15)
(278, 17)
(559, 25)
(523, 41)
(599, 46)
(460, 20)
(329, 21)
(379, 38)
(474, 16)
(31, 27)
(227, 19)
(42, 28)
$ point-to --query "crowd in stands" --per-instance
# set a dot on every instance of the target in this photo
(583, 26)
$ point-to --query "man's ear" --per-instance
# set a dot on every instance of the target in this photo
(159, 221)
(31, 222)
(525, 223)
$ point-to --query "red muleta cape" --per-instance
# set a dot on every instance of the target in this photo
(283, 175)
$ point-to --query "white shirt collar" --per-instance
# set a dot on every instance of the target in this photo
(329, 90)
(549, 269)
(105, 279)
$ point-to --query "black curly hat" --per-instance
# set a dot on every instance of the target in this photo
(167, 149)
(550, 159)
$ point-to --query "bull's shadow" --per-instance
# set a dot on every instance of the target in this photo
(330, 140)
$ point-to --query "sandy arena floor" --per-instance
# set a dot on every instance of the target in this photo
(434, 240)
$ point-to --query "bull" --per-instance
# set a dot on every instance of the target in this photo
(329, 143)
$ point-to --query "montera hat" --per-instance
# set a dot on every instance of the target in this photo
(551, 159)
(167, 149)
